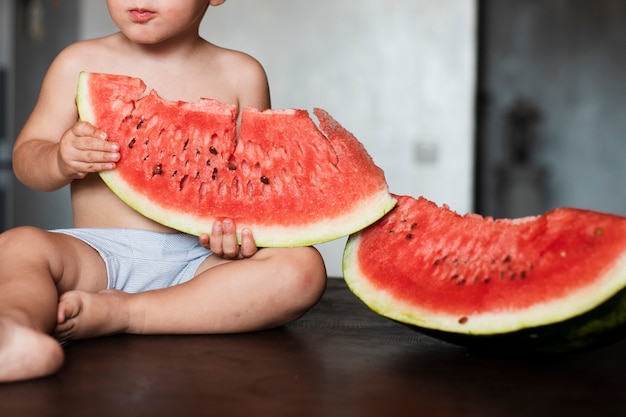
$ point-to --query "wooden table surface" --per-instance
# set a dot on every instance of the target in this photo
(340, 359)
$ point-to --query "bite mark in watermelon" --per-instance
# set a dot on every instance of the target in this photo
(550, 283)
(185, 165)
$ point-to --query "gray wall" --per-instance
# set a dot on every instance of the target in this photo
(37, 42)
(567, 58)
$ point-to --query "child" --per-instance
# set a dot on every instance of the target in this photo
(78, 283)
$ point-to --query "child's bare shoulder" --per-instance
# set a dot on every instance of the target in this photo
(242, 69)
(85, 55)
(234, 60)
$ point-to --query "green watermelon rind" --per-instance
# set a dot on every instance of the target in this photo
(83, 103)
(592, 315)
(596, 328)
(365, 213)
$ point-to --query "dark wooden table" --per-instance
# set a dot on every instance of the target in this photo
(340, 359)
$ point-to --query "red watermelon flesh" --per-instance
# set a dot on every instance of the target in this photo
(429, 267)
(186, 165)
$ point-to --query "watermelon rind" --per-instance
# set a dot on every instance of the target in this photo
(596, 328)
(83, 101)
(583, 317)
(321, 231)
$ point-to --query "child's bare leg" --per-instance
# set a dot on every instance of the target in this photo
(26, 353)
(83, 314)
(28, 302)
(272, 288)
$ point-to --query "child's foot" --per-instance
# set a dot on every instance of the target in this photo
(26, 353)
(83, 314)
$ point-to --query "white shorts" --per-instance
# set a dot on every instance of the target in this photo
(140, 260)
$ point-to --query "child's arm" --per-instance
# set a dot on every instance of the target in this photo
(53, 148)
(252, 85)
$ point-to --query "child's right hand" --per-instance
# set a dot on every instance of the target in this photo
(84, 149)
(223, 241)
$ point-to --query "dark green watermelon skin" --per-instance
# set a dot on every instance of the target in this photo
(595, 329)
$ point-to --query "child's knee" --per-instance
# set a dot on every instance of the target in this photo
(20, 238)
(307, 276)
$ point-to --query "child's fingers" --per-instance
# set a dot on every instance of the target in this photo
(205, 241)
(87, 129)
(230, 246)
(215, 243)
(248, 245)
(223, 241)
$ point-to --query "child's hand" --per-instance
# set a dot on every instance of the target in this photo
(83, 149)
(223, 241)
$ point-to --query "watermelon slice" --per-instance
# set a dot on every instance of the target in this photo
(185, 165)
(551, 283)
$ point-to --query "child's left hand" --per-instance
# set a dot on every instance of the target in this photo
(223, 241)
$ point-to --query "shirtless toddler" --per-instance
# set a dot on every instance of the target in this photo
(57, 285)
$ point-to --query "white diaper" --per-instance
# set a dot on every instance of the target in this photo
(140, 260)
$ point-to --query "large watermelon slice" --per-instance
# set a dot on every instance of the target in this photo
(551, 283)
(185, 165)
